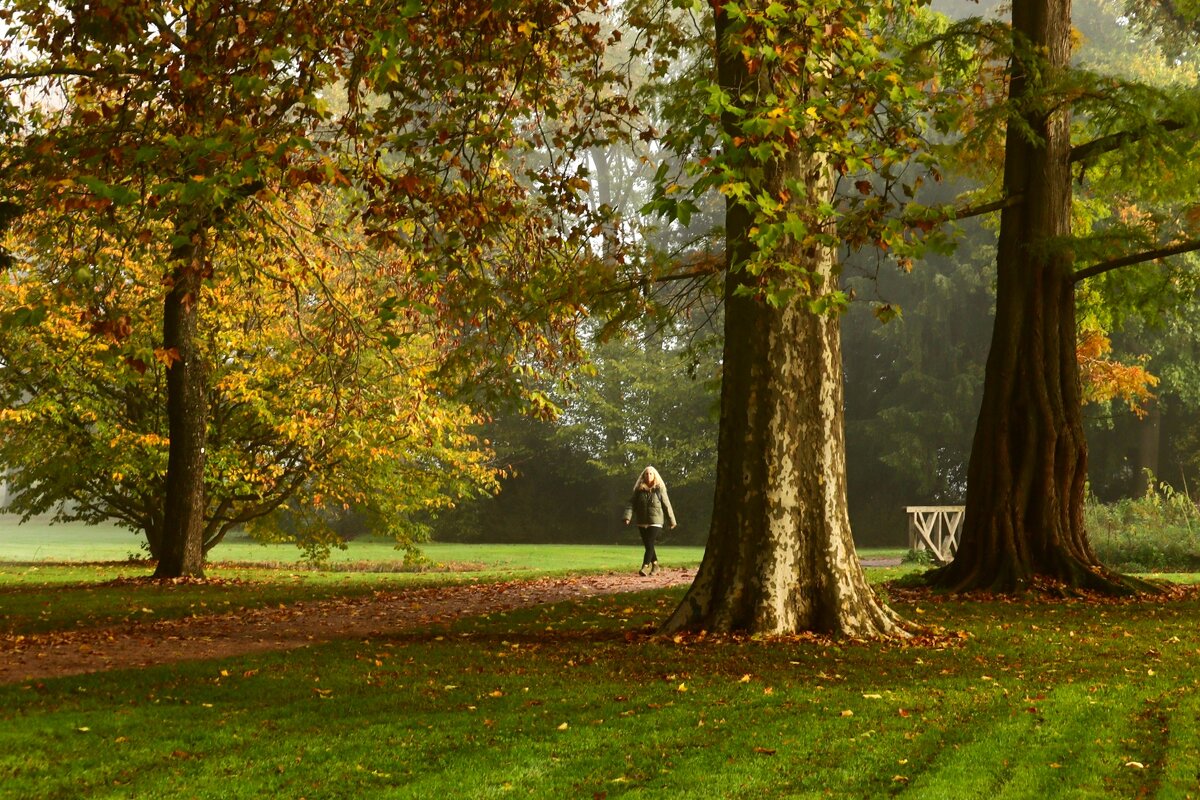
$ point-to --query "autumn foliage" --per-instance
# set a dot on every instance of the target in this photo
(208, 179)
(318, 401)
(1106, 379)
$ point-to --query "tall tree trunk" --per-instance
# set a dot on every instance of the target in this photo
(780, 555)
(1149, 448)
(187, 422)
(1028, 466)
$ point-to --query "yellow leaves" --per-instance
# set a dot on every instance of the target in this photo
(1105, 379)
(527, 28)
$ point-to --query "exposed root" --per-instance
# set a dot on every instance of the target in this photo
(1043, 590)
(1067, 575)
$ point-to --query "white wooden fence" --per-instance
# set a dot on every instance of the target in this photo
(936, 529)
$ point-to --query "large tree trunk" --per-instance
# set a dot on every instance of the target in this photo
(780, 556)
(1028, 467)
(187, 423)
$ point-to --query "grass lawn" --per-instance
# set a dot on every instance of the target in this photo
(36, 542)
(1038, 700)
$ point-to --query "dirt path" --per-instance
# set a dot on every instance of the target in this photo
(40, 656)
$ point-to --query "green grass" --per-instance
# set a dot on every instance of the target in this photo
(35, 543)
(1040, 700)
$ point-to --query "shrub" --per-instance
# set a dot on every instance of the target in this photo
(922, 557)
(1159, 532)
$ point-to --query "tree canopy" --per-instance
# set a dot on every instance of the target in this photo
(169, 131)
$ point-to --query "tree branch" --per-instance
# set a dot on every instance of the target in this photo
(1106, 144)
(1136, 258)
(48, 72)
(966, 212)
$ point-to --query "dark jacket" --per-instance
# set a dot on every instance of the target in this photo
(650, 506)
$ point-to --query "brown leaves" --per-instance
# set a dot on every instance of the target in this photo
(167, 356)
(219, 630)
(116, 330)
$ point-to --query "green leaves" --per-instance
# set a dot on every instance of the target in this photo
(813, 81)
(23, 316)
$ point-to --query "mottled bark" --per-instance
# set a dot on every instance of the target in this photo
(187, 422)
(780, 555)
(1028, 467)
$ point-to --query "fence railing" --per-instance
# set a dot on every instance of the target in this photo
(936, 529)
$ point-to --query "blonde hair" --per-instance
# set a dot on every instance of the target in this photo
(641, 479)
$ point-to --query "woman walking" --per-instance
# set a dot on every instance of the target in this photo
(648, 508)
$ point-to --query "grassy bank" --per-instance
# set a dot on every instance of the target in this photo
(1036, 700)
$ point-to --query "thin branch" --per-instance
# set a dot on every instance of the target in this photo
(1113, 141)
(966, 212)
(48, 72)
(1136, 258)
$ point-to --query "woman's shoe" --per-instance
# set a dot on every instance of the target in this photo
(642, 571)
(654, 568)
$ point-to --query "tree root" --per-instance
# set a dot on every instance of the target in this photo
(1066, 576)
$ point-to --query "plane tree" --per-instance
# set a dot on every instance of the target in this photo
(805, 131)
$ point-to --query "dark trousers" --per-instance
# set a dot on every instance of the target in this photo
(649, 534)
